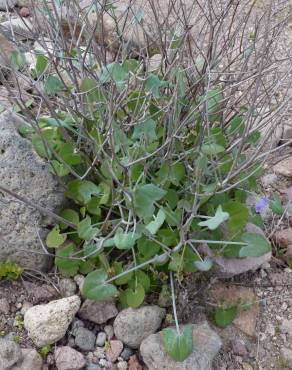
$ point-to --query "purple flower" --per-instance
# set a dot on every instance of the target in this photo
(261, 204)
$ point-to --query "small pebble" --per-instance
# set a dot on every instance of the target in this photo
(114, 351)
(67, 287)
(24, 12)
(239, 348)
(85, 339)
(122, 365)
(109, 330)
(76, 325)
(127, 353)
(99, 352)
(79, 280)
(100, 340)
(25, 307)
(93, 367)
(4, 306)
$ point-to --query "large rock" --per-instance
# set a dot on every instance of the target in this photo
(23, 172)
(7, 47)
(98, 312)
(48, 323)
(22, 29)
(131, 326)
(31, 360)
(10, 353)
(206, 344)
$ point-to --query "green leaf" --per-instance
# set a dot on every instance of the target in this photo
(215, 221)
(93, 206)
(54, 238)
(148, 248)
(96, 288)
(53, 85)
(125, 240)
(140, 278)
(82, 190)
(178, 346)
(85, 230)
(67, 153)
(144, 198)
(212, 149)
(256, 245)
(204, 265)
(114, 71)
(17, 60)
(58, 169)
(155, 225)
(213, 100)
(176, 262)
(238, 216)
(153, 84)
(135, 297)
(276, 204)
(118, 268)
(145, 129)
(68, 267)
(90, 88)
(41, 64)
(69, 215)
(225, 316)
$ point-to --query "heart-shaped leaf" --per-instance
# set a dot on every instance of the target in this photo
(205, 265)
(135, 297)
(178, 346)
(85, 230)
(256, 245)
(96, 288)
(125, 240)
(144, 198)
(67, 266)
(155, 225)
(215, 221)
(69, 215)
(225, 316)
(54, 238)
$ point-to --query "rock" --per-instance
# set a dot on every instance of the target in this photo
(284, 167)
(22, 29)
(134, 364)
(286, 354)
(286, 327)
(287, 256)
(10, 353)
(283, 237)
(76, 325)
(239, 348)
(229, 267)
(4, 306)
(101, 338)
(25, 307)
(22, 171)
(127, 353)
(79, 280)
(109, 331)
(93, 367)
(114, 351)
(287, 133)
(98, 312)
(207, 343)
(67, 287)
(24, 12)
(122, 365)
(245, 319)
(40, 293)
(68, 358)
(269, 179)
(131, 326)
(7, 4)
(246, 366)
(46, 324)
(31, 359)
(85, 339)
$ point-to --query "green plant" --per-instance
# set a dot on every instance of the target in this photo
(45, 350)
(10, 270)
(19, 322)
(157, 161)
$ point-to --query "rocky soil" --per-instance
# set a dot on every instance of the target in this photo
(46, 324)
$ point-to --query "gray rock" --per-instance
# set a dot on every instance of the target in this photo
(127, 353)
(98, 312)
(207, 344)
(10, 353)
(23, 172)
(76, 325)
(131, 326)
(85, 339)
(286, 354)
(229, 267)
(67, 287)
(68, 358)
(239, 348)
(286, 327)
(22, 30)
(31, 360)
(93, 367)
(46, 324)
(109, 331)
(101, 338)
(4, 306)
(7, 4)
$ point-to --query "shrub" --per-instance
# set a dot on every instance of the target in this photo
(158, 147)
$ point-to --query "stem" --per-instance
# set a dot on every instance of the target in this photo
(173, 303)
